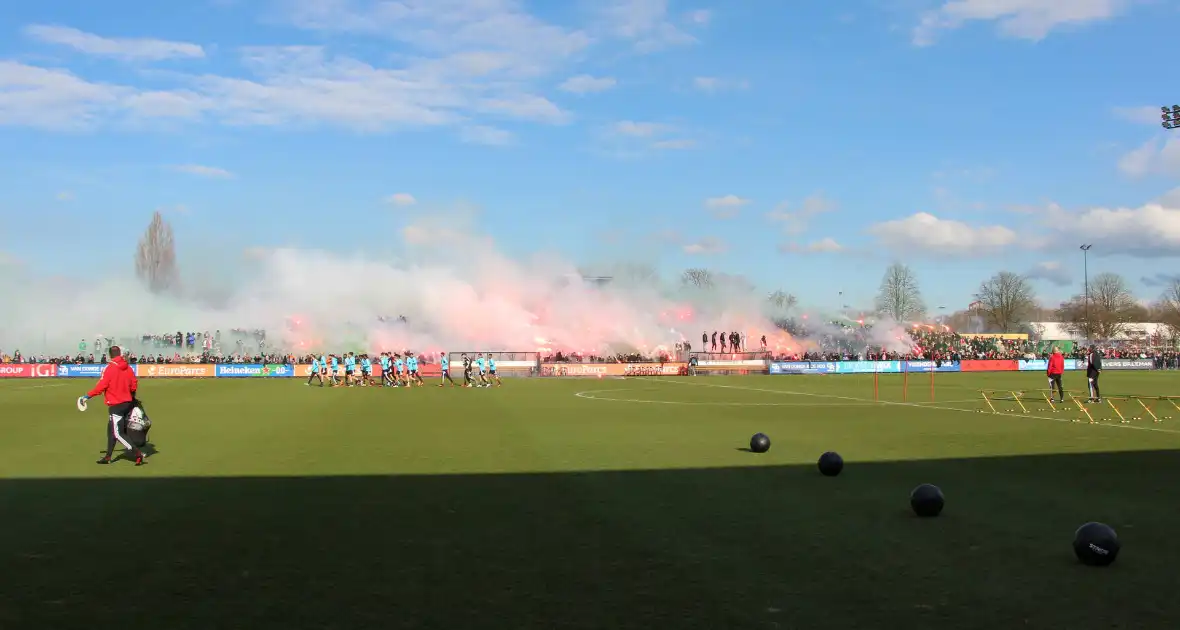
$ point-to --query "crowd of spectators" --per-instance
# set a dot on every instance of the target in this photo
(831, 341)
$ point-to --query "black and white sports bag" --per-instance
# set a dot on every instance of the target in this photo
(138, 425)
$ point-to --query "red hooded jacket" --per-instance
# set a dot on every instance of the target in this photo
(1056, 364)
(118, 383)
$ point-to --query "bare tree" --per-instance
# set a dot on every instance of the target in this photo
(1111, 307)
(697, 277)
(782, 300)
(899, 297)
(1006, 300)
(1167, 310)
(155, 257)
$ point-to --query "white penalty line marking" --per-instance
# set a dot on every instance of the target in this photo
(909, 404)
(586, 395)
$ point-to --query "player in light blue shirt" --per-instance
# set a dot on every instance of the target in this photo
(314, 373)
(482, 364)
(386, 373)
(412, 367)
(400, 365)
(349, 369)
(335, 370)
(492, 371)
(444, 362)
(366, 370)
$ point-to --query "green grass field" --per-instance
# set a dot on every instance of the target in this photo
(607, 503)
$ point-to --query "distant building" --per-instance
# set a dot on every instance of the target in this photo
(1141, 331)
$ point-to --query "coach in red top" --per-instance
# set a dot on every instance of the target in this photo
(1056, 369)
(118, 386)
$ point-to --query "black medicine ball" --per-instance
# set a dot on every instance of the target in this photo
(927, 500)
(760, 443)
(1096, 544)
(830, 464)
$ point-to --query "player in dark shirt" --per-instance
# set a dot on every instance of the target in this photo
(466, 371)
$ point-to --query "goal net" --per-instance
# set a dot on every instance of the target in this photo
(508, 363)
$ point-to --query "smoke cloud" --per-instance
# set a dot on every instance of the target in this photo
(458, 294)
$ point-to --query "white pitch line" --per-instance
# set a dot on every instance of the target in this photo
(909, 404)
(586, 395)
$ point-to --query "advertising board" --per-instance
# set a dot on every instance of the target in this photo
(27, 370)
(802, 367)
(988, 365)
(1036, 365)
(254, 370)
(176, 370)
(1125, 364)
(81, 370)
(614, 369)
(930, 366)
(867, 367)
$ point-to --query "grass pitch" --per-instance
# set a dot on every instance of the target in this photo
(584, 504)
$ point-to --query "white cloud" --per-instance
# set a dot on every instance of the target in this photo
(822, 246)
(924, 233)
(727, 206)
(674, 145)
(1052, 272)
(462, 62)
(630, 138)
(1170, 199)
(525, 43)
(127, 49)
(796, 221)
(700, 17)
(204, 171)
(64, 195)
(1022, 19)
(401, 199)
(1153, 158)
(482, 134)
(586, 84)
(639, 129)
(715, 84)
(290, 86)
(706, 246)
(1145, 115)
(1151, 230)
(644, 22)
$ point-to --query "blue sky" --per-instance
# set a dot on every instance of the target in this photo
(805, 145)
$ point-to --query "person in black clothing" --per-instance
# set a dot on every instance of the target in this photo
(714, 341)
(1093, 370)
(763, 342)
(705, 339)
(467, 371)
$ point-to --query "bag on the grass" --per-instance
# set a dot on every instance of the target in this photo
(138, 425)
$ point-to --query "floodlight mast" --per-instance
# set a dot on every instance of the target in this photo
(1170, 116)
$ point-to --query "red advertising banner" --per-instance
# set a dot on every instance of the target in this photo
(1002, 365)
(15, 370)
(25, 370)
(614, 369)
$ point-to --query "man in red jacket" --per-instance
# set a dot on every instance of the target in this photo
(1056, 369)
(118, 386)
